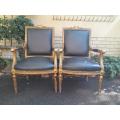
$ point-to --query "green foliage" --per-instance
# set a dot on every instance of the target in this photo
(14, 28)
(18, 27)
(3, 63)
(4, 29)
(112, 66)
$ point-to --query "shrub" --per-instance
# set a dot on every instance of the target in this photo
(3, 63)
(17, 27)
(112, 66)
(14, 28)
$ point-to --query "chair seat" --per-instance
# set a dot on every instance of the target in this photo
(80, 64)
(35, 63)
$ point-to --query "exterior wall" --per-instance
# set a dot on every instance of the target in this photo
(105, 35)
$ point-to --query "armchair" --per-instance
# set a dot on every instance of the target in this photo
(75, 59)
(40, 56)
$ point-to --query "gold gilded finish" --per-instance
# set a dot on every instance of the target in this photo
(34, 72)
(87, 74)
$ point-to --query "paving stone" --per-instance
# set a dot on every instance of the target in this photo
(39, 91)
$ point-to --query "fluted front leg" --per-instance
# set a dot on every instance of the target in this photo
(55, 69)
(60, 69)
(13, 50)
(60, 82)
(14, 83)
(100, 83)
(55, 82)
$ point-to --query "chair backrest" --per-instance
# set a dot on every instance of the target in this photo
(76, 41)
(39, 40)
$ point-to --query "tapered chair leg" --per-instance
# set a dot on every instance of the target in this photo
(55, 82)
(14, 83)
(60, 83)
(100, 83)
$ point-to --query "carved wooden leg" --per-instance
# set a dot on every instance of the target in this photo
(60, 82)
(55, 82)
(14, 83)
(100, 83)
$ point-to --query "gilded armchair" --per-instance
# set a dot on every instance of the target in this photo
(40, 55)
(75, 56)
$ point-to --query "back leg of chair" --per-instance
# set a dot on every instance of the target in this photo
(87, 78)
(100, 83)
(55, 82)
(60, 82)
(14, 83)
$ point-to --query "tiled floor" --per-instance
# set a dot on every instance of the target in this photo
(76, 91)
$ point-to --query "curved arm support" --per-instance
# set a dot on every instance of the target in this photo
(101, 54)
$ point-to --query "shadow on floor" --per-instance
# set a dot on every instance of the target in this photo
(76, 91)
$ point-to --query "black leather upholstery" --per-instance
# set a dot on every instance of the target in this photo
(76, 42)
(35, 63)
(80, 63)
(39, 41)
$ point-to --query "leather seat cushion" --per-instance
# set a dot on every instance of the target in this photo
(80, 63)
(35, 63)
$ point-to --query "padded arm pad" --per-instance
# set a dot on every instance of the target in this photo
(97, 50)
(14, 49)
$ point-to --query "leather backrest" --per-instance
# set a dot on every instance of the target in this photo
(39, 41)
(76, 42)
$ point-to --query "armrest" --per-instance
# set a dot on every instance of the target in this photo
(13, 50)
(98, 51)
(101, 53)
(60, 59)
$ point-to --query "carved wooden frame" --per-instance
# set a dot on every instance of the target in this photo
(62, 72)
(34, 72)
